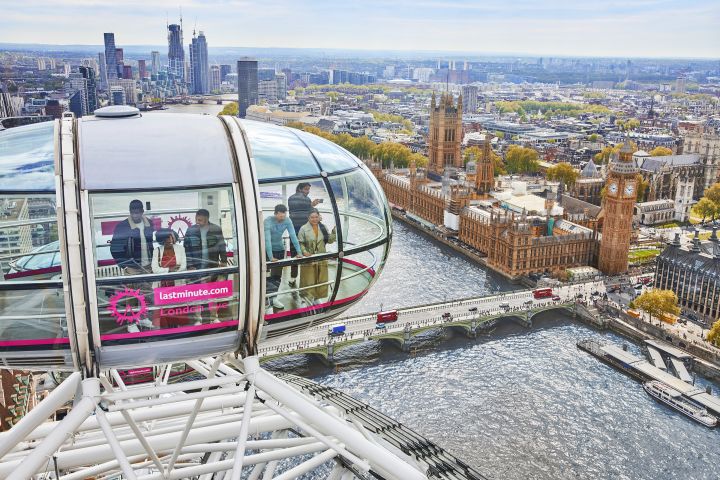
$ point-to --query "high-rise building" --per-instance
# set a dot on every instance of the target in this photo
(77, 104)
(41, 64)
(88, 74)
(445, 133)
(618, 207)
(154, 62)
(119, 59)
(224, 70)
(214, 78)
(199, 70)
(176, 52)
(281, 86)
(129, 87)
(110, 56)
(117, 95)
(470, 97)
(127, 72)
(247, 70)
(142, 72)
(53, 108)
(102, 72)
(267, 90)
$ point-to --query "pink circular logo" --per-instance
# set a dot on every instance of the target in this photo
(126, 311)
(175, 223)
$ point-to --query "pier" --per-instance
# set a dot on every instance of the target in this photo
(642, 370)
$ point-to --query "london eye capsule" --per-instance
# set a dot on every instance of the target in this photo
(130, 239)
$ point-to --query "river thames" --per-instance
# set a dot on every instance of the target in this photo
(518, 403)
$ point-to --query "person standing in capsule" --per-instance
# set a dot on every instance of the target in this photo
(300, 206)
(314, 238)
(168, 257)
(132, 241)
(275, 227)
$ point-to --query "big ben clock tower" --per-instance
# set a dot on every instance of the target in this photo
(618, 205)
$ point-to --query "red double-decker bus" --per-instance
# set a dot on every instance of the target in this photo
(543, 293)
(387, 317)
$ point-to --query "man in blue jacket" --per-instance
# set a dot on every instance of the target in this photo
(275, 227)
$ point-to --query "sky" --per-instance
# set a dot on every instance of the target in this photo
(626, 28)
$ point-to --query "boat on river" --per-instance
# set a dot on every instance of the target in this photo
(675, 400)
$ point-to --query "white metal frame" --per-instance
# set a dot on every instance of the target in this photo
(238, 420)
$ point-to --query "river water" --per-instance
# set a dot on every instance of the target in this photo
(518, 403)
(515, 404)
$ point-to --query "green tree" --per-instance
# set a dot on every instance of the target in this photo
(642, 189)
(593, 137)
(705, 208)
(230, 109)
(713, 335)
(660, 152)
(521, 160)
(713, 194)
(657, 302)
(563, 172)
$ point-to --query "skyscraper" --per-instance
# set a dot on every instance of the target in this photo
(120, 60)
(247, 70)
(176, 52)
(102, 72)
(88, 74)
(214, 78)
(155, 62)
(199, 64)
(142, 72)
(110, 58)
(224, 70)
(470, 97)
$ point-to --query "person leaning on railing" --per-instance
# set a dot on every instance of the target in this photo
(313, 238)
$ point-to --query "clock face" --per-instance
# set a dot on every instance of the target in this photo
(629, 189)
(613, 188)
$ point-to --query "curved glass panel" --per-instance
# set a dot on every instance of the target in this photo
(33, 315)
(27, 158)
(331, 157)
(165, 264)
(361, 207)
(278, 152)
(360, 271)
(32, 308)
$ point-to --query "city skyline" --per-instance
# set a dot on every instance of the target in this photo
(635, 28)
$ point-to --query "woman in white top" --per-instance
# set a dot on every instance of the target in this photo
(168, 257)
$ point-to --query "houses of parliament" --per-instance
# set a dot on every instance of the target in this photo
(518, 232)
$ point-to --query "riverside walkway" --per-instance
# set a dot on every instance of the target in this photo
(470, 315)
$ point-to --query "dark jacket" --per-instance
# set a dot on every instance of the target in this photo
(299, 206)
(125, 244)
(217, 251)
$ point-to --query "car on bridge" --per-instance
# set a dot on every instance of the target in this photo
(556, 298)
(505, 305)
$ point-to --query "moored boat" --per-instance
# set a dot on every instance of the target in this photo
(675, 399)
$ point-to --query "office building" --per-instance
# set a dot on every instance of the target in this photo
(470, 98)
(77, 103)
(88, 74)
(128, 87)
(142, 71)
(693, 273)
(281, 86)
(154, 62)
(247, 71)
(224, 70)
(127, 72)
(119, 59)
(176, 52)
(102, 72)
(117, 95)
(214, 78)
(199, 69)
(110, 56)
